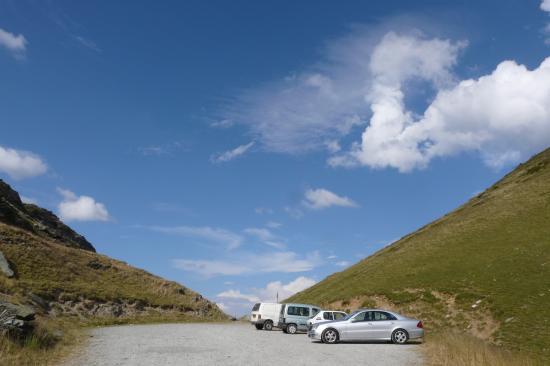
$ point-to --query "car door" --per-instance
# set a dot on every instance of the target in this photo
(382, 324)
(302, 317)
(357, 327)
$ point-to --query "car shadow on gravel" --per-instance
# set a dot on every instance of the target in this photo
(373, 342)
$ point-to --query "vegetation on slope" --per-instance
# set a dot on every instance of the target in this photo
(48, 266)
(483, 268)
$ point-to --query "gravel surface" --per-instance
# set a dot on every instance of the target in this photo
(229, 344)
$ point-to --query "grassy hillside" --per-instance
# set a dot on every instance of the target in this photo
(66, 281)
(483, 268)
(48, 268)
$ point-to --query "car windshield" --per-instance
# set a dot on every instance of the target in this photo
(351, 315)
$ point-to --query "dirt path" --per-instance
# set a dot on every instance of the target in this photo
(229, 344)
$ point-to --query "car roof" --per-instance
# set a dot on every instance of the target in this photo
(295, 304)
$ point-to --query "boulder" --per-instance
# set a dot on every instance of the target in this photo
(15, 318)
(5, 266)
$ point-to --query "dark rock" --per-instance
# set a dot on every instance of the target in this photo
(50, 225)
(15, 318)
(95, 264)
(37, 220)
(5, 266)
(39, 302)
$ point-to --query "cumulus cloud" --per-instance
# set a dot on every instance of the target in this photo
(246, 263)
(16, 44)
(231, 154)
(81, 208)
(505, 116)
(20, 164)
(236, 294)
(237, 301)
(321, 198)
(545, 5)
(229, 238)
(269, 293)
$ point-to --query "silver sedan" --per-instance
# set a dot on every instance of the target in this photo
(369, 324)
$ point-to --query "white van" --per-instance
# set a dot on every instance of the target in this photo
(265, 315)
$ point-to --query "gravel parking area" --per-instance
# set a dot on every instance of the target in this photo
(229, 344)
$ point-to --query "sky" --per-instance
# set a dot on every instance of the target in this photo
(247, 149)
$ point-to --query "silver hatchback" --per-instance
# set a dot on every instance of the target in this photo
(369, 324)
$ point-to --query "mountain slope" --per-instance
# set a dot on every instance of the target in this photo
(483, 268)
(58, 272)
(37, 220)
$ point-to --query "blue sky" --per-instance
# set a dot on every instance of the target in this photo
(244, 148)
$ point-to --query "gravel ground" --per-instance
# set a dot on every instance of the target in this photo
(229, 344)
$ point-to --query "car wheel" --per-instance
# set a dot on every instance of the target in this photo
(330, 336)
(259, 326)
(400, 336)
(291, 329)
(268, 325)
(284, 330)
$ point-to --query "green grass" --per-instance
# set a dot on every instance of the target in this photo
(495, 248)
(60, 273)
(74, 278)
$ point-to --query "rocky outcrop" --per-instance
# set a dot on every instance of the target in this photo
(5, 266)
(15, 318)
(37, 220)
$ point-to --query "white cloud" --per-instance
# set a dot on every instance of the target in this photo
(321, 198)
(332, 257)
(230, 239)
(396, 60)
(235, 301)
(236, 294)
(505, 116)
(269, 293)
(16, 44)
(283, 262)
(81, 208)
(545, 5)
(266, 237)
(231, 154)
(20, 164)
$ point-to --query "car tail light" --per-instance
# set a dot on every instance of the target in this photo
(420, 325)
